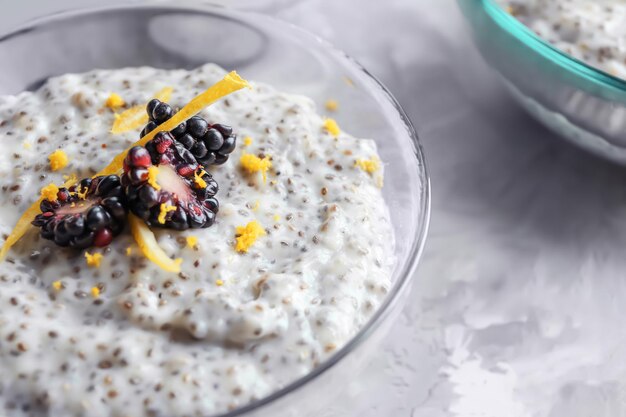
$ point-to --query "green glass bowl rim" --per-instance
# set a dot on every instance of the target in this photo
(520, 31)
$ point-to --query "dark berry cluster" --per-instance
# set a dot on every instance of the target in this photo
(209, 144)
(89, 213)
(166, 187)
(164, 183)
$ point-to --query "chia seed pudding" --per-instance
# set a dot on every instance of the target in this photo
(121, 337)
(591, 31)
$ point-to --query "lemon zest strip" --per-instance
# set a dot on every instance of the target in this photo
(150, 247)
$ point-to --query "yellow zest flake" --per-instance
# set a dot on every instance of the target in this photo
(82, 193)
(27, 145)
(256, 206)
(57, 285)
(95, 292)
(219, 282)
(129, 251)
(93, 260)
(114, 101)
(368, 165)
(332, 127)
(192, 241)
(198, 180)
(229, 84)
(163, 210)
(136, 116)
(332, 105)
(153, 172)
(247, 141)
(276, 217)
(58, 160)
(252, 163)
(247, 235)
(49, 192)
(150, 247)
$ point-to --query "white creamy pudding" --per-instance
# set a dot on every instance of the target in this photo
(590, 30)
(294, 265)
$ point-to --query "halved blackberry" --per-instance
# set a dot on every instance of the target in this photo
(89, 213)
(209, 144)
(166, 187)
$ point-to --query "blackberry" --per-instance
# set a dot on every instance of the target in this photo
(89, 213)
(166, 187)
(209, 144)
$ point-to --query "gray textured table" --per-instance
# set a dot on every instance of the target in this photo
(517, 305)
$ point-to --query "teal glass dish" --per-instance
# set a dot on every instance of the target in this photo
(582, 103)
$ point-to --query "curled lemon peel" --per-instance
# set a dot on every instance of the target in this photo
(93, 260)
(252, 163)
(114, 101)
(163, 210)
(150, 247)
(247, 235)
(153, 172)
(58, 160)
(229, 84)
(136, 116)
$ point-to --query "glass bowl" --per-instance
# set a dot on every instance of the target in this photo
(582, 103)
(261, 49)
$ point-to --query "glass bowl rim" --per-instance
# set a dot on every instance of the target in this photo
(519, 30)
(408, 269)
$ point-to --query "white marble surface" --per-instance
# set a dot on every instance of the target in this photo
(517, 306)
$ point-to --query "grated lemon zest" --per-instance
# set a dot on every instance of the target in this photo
(368, 165)
(114, 101)
(153, 172)
(82, 193)
(252, 163)
(192, 241)
(58, 160)
(332, 127)
(163, 210)
(247, 235)
(198, 180)
(247, 141)
(49, 192)
(332, 105)
(93, 260)
(57, 285)
(95, 292)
